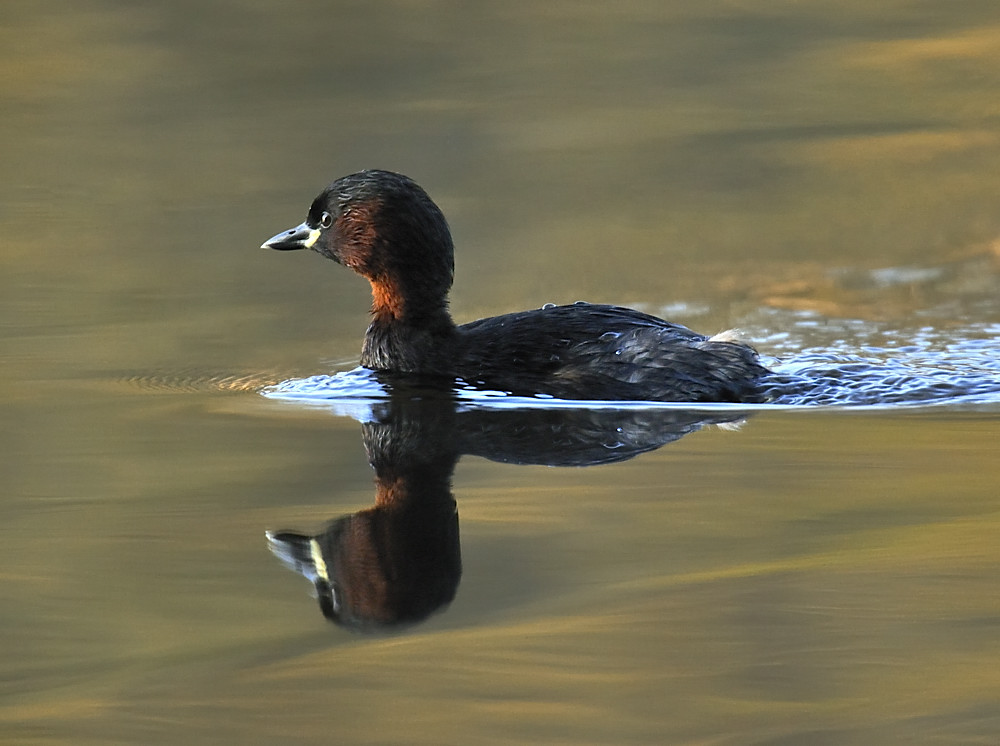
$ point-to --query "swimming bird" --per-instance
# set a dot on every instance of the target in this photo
(387, 229)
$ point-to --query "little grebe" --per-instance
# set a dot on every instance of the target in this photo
(385, 227)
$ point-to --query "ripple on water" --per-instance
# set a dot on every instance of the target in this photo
(815, 362)
(836, 362)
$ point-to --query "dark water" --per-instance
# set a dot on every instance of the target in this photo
(823, 177)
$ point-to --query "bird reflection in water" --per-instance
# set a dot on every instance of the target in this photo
(399, 561)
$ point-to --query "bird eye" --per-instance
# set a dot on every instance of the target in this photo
(325, 220)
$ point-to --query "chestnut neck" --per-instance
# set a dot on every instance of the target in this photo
(408, 334)
(393, 303)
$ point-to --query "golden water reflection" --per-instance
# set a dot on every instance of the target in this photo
(817, 602)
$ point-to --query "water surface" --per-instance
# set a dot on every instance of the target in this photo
(821, 177)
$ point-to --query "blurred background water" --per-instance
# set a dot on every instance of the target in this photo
(822, 176)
